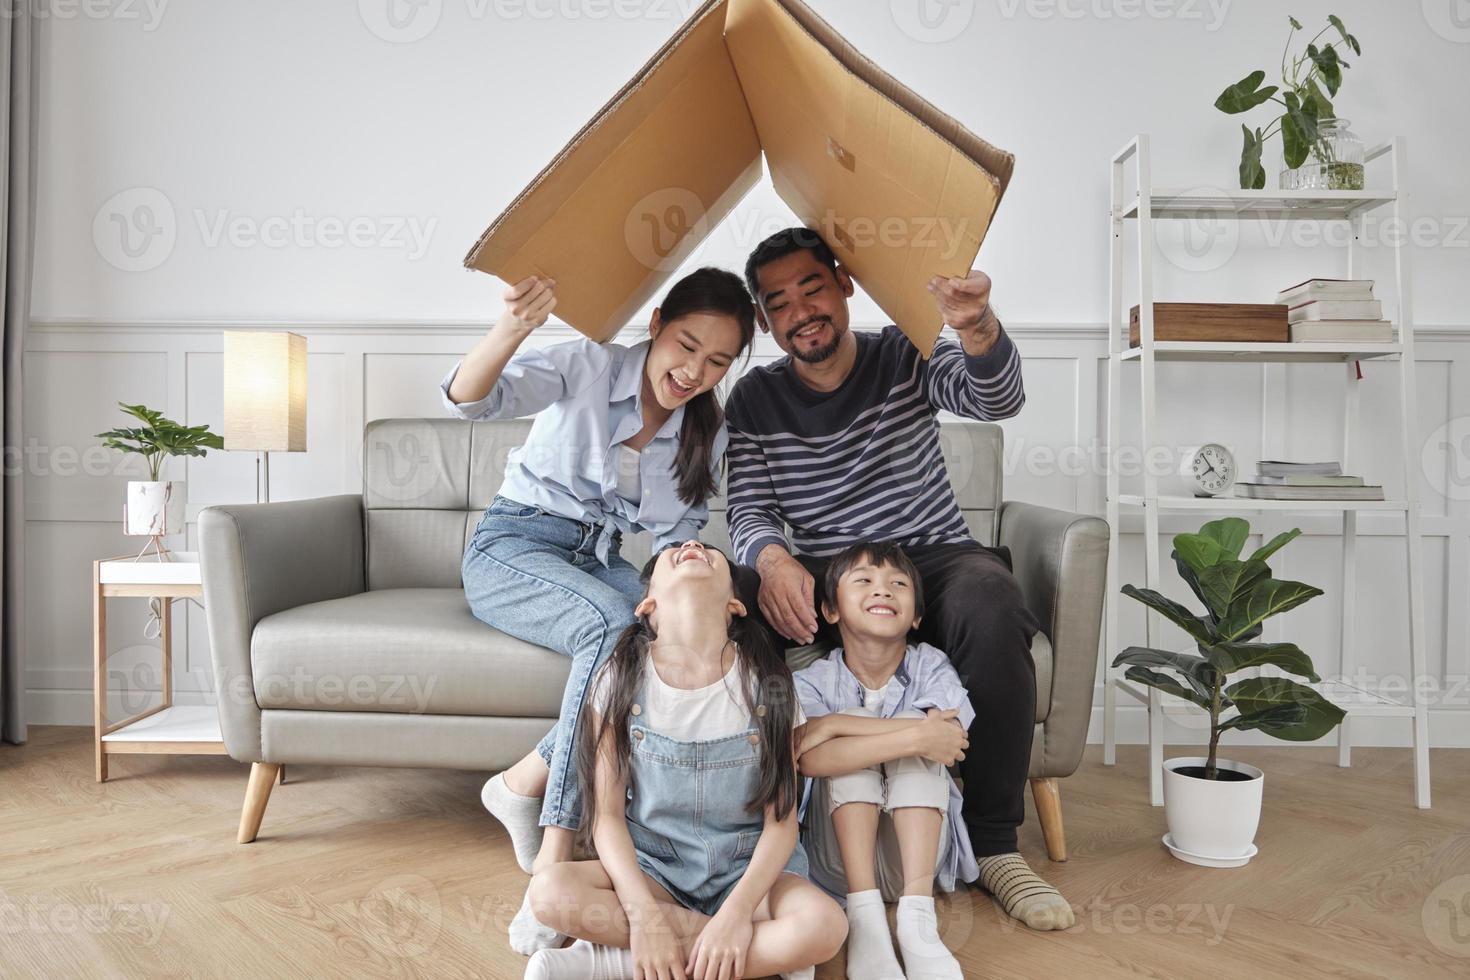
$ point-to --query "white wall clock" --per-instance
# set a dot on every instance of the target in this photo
(1210, 470)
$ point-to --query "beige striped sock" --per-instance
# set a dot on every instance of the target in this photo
(1023, 894)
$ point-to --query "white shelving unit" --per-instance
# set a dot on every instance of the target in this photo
(1143, 205)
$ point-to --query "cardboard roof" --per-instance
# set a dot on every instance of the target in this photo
(900, 190)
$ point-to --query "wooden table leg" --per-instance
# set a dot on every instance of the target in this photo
(99, 670)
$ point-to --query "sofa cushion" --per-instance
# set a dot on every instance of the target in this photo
(414, 651)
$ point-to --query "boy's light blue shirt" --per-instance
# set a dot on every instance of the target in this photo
(587, 399)
(924, 679)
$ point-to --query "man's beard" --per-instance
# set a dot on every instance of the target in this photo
(817, 354)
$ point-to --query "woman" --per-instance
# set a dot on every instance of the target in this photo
(626, 439)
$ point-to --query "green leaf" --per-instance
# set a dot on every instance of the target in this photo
(1191, 578)
(1215, 542)
(1223, 584)
(1328, 64)
(1193, 668)
(1275, 544)
(1245, 94)
(1229, 532)
(1324, 104)
(1202, 630)
(1296, 25)
(1252, 175)
(1298, 129)
(1347, 38)
(1267, 599)
(1227, 658)
(1259, 694)
(1272, 721)
(1165, 683)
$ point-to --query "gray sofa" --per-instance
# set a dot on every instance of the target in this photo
(340, 633)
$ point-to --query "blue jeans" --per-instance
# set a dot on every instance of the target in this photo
(535, 576)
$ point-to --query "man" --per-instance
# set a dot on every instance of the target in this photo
(839, 440)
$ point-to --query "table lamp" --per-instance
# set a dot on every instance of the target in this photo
(265, 397)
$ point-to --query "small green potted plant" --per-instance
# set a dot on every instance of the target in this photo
(1308, 123)
(156, 507)
(1213, 805)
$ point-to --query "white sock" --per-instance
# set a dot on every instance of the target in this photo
(925, 956)
(527, 936)
(869, 946)
(581, 961)
(807, 974)
(520, 815)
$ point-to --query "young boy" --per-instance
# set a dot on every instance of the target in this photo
(885, 719)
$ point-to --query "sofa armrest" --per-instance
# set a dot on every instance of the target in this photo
(1061, 563)
(258, 559)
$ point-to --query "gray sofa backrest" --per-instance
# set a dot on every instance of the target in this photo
(426, 483)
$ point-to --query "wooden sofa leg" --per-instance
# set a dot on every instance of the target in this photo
(1048, 796)
(257, 795)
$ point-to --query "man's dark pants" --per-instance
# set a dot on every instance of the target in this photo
(975, 613)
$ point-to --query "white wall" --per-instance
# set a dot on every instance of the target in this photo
(217, 125)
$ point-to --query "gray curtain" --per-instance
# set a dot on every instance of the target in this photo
(19, 28)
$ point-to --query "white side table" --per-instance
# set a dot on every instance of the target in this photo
(167, 728)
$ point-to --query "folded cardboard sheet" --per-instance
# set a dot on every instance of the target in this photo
(901, 191)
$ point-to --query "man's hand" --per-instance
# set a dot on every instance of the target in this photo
(786, 594)
(940, 738)
(965, 305)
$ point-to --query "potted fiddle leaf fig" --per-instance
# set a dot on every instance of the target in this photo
(1213, 805)
(156, 507)
(1306, 120)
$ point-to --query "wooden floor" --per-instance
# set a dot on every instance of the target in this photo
(370, 873)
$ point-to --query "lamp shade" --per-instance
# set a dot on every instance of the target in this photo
(265, 391)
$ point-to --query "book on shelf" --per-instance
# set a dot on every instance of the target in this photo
(1279, 467)
(1315, 289)
(1336, 309)
(1214, 323)
(1271, 491)
(1351, 331)
(1309, 480)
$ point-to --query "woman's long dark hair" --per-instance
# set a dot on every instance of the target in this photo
(763, 675)
(707, 290)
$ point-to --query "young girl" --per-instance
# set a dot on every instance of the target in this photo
(688, 763)
(627, 439)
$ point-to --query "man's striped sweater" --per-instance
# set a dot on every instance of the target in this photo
(863, 462)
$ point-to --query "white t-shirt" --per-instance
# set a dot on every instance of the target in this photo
(873, 698)
(630, 480)
(699, 715)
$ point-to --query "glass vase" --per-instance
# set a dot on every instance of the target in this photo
(1334, 163)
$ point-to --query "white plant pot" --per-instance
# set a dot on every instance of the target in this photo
(1210, 818)
(154, 507)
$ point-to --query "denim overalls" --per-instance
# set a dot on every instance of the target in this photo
(687, 813)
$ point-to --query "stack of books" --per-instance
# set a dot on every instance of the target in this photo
(1335, 310)
(1278, 480)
